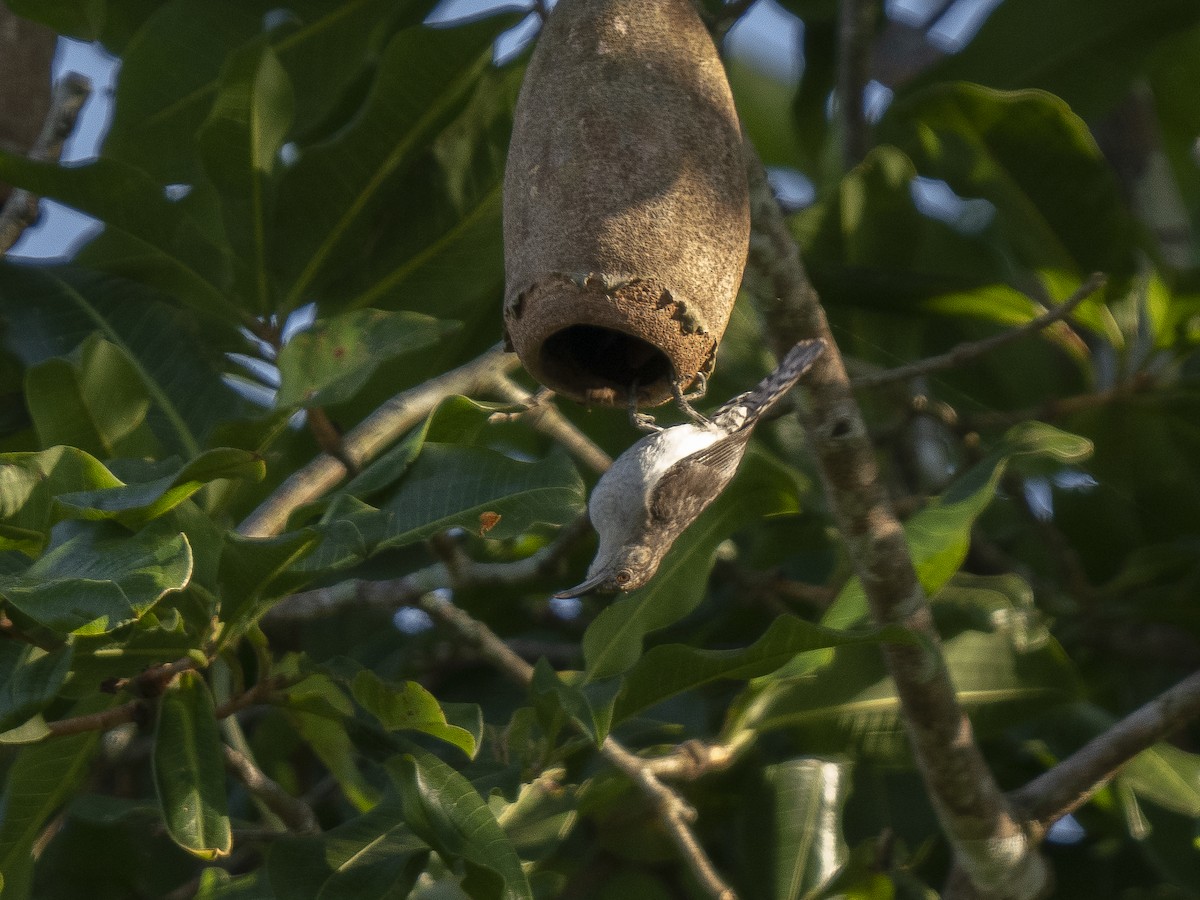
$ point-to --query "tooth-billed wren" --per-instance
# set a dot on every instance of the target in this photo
(661, 484)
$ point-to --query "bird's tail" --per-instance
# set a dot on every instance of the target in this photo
(748, 407)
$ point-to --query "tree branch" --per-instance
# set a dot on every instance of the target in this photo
(293, 812)
(21, 209)
(973, 349)
(458, 572)
(675, 814)
(543, 416)
(1073, 781)
(373, 435)
(856, 31)
(988, 841)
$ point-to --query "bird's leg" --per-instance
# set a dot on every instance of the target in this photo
(700, 389)
(640, 420)
(681, 399)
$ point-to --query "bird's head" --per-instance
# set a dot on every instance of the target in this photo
(630, 567)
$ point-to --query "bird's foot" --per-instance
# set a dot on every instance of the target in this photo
(699, 387)
(640, 420)
(681, 400)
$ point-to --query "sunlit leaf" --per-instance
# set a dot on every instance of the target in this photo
(373, 855)
(94, 400)
(189, 769)
(939, 536)
(408, 707)
(445, 811)
(331, 361)
(450, 486)
(97, 577)
(807, 797)
(136, 503)
(670, 669)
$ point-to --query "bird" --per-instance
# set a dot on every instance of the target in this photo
(660, 485)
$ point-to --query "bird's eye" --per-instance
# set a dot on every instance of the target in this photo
(623, 577)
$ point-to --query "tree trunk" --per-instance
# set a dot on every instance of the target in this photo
(26, 50)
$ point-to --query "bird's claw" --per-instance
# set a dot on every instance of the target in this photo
(681, 399)
(640, 420)
(700, 387)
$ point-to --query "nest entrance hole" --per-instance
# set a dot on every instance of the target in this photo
(602, 363)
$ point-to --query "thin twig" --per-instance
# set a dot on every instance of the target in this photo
(20, 211)
(371, 436)
(394, 593)
(1072, 782)
(692, 760)
(856, 31)
(293, 812)
(988, 840)
(137, 710)
(100, 721)
(1055, 409)
(674, 813)
(543, 416)
(970, 350)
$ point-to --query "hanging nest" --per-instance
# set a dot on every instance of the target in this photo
(626, 211)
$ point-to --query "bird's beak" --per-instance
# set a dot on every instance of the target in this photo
(580, 589)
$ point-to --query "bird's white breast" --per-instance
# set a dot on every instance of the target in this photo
(617, 506)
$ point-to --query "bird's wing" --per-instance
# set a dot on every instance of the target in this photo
(695, 481)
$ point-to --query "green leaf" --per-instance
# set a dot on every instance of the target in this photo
(29, 483)
(254, 572)
(939, 536)
(29, 679)
(40, 780)
(1166, 775)
(149, 238)
(671, 669)
(589, 704)
(240, 145)
(372, 856)
(95, 401)
(135, 504)
(1057, 202)
(150, 641)
(450, 486)
(852, 702)
(445, 811)
(1174, 67)
(807, 798)
(613, 642)
(180, 357)
(171, 68)
(328, 199)
(320, 709)
(330, 362)
(82, 19)
(1089, 52)
(97, 577)
(217, 884)
(541, 817)
(408, 707)
(189, 769)
(868, 244)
